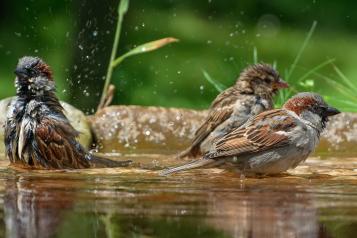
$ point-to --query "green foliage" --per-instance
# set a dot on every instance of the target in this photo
(147, 47)
(218, 36)
(286, 94)
(344, 85)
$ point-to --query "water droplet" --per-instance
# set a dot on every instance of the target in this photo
(147, 133)
(80, 47)
(202, 87)
(95, 33)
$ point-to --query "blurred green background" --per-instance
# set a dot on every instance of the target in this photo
(75, 38)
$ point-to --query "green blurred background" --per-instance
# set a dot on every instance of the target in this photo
(75, 38)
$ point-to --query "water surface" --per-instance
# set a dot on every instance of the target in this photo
(318, 199)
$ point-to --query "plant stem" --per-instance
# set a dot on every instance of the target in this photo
(112, 58)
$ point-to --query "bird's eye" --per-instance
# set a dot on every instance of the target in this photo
(323, 108)
(31, 72)
(268, 80)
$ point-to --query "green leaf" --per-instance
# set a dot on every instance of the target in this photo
(144, 48)
(309, 83)
(219, 86)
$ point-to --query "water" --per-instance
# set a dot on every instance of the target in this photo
(318, 199)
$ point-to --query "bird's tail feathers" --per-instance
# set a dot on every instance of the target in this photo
(191, 151)
(191, 165)
(101, 162)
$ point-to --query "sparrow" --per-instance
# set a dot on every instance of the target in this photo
(272, 141)
(252, 94)
(37, 133)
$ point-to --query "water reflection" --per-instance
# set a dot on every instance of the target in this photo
(204, 203)
(34, 208)
(256, 212)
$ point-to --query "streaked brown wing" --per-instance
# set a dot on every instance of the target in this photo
(56, 145)
(214, 119)
(221, 109)
(259, 134)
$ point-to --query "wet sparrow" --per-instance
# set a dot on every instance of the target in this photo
(271, 142)
(251, 95)
(37, 133)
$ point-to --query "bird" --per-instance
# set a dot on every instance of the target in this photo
(271, 142)
(252, 94)
(37, 133)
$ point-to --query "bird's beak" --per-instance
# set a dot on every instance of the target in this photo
(330, 111)
(281, 84)
(20, 72)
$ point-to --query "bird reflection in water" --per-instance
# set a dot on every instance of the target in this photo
(60, 206)
(34, 208)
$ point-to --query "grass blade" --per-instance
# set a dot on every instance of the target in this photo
(345, 79)
(339, 87)
(315, 69)
(302, 49)
(255, 55)
(220, 87)
(147, 47)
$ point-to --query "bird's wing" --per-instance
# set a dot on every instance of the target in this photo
(221, 109)
(56, 146)
(265, 131)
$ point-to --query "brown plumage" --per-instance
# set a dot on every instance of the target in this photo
(256, 136)
(272, 141)
(37, 133)
(251, 95)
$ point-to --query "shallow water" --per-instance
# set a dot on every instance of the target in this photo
(318, 199)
